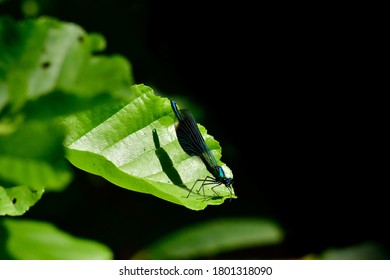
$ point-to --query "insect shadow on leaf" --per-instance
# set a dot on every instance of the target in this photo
(166, 162)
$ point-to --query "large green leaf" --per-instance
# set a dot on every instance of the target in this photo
(34, 240)
(134, 145)
(207, 239)
(44, 56)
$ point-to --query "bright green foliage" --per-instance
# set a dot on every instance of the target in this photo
(39, 57)
(134, 145)
(47, 69)
(54, 89)
(33, 240)
(207, 239)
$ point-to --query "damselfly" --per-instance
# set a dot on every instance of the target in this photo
(193, 144)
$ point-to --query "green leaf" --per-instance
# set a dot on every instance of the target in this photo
(210, 238)
(134, 145)
(33, 240)
(42, 56)
(33, 155)
(369, 250)
(16, 200)
(47, 68)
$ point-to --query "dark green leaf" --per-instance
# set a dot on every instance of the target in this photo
(214, 237)
(31, 160)
(33, 240)
(364, 251)
(33, 155)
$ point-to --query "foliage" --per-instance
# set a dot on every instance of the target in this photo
(62, 103)
(54, 87)
(36, 240)
(47, 70)
(214, 237)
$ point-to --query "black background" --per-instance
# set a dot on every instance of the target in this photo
(280, 87)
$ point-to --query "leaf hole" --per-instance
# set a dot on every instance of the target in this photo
(46, 65)
(14, 201)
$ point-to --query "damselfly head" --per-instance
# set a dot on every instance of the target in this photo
(228, 182)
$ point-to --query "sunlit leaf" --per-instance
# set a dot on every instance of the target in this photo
(134, 145)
